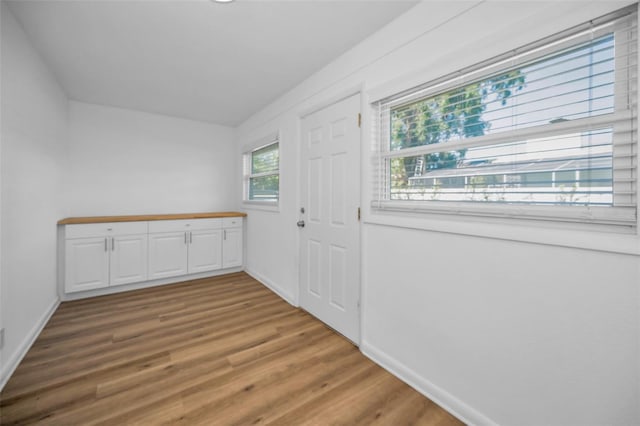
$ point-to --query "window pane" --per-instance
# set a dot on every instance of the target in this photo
(569, 169)
(265, 159)
(571, 84)
(264, 188)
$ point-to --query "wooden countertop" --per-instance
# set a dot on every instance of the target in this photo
(146, 217)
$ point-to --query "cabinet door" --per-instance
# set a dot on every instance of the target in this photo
(167, 254)
(232, 248)
(86, 264)
(205, 250)
(128, 259)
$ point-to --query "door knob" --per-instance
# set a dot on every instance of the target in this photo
(300, 224)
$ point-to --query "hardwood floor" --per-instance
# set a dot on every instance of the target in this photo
(222, 350)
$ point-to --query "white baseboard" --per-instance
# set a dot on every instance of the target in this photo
(436, 394)
(273, 287)
(13, 362)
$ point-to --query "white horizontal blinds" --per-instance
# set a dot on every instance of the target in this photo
(550, 170)
(550, 126)
(264, 169)
(380, 137)
(265, 159)
(625, 130)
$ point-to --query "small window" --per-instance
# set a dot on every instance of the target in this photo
(262, 173)
(546, 133)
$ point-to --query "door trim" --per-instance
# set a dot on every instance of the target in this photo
(327, 102)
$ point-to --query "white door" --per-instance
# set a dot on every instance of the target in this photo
(205, 250)
(232, 247)
(167, 254)
(86, 264)
(330, 238)
(128, 259)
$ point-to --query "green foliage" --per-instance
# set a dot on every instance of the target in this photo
(264, 187)
(504, 84)
(265, 163)
(456, 114)
(398, 173)
(265, 159)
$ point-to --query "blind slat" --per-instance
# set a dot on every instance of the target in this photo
(591, 123)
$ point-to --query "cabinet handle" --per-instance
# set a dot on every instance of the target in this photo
(113, 244)
(190, 237)
(105, 244)
(185, 238)
(225, 234)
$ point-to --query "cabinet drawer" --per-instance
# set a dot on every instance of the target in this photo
(104, 229)
(183, 225)
(197, 224)
(232, 222)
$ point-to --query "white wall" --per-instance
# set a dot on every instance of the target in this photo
(525, 334)
(498, 331)
(132, 162)
(34, 134)
(270, 244)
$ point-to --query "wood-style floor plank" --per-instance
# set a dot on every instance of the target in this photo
(217, 351)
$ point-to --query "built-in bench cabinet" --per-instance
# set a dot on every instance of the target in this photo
(232, 242)
(99, 255)
(102, 255)
(181, 247)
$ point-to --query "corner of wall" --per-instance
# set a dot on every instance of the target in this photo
(453, 405)
(289, 298)
(10, 366)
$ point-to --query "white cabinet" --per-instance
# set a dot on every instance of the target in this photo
(181, 247)
(167, 254)
(232, 242)
(86, 264)
(103, 255)
(128, 259)
(205, 250)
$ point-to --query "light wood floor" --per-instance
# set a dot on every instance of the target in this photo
(223, 350)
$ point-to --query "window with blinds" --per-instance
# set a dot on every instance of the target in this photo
(262, 173)
(547, 132)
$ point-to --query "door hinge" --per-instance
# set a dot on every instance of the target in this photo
(358, 214)
(1, 338)
(359, 120)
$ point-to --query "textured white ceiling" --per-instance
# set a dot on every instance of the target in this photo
(195, 59)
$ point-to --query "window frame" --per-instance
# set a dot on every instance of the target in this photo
(248, 175)
(383, 155)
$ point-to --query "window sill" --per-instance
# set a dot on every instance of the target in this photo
(592, 237)
(272, 206)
